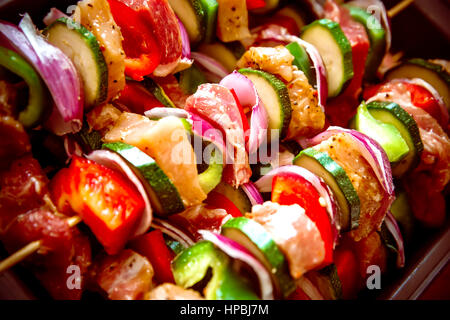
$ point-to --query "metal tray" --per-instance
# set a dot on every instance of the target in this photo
(422, 30)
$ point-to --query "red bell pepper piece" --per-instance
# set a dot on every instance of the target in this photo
(136, 98)
(288, 189)
(420, 97)
(244, 119)
(348, 271)
(143, 54)
(104, 199)
(218, 200)
(423, 99)
(255, 4)
(152, 246)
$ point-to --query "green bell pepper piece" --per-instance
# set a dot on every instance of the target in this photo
(192, 265)
(34, 111)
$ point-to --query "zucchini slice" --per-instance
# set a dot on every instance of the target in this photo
(237, 196)
(275, 97)
(335, 177)
(327, 282)
(430, 72)
(81, 46)
(221, 53)
(163, 195)
(258, 241)
(392, 113)
(192, 15)
(336, 51)
(377, 38)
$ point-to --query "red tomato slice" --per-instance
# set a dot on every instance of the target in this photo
(288, 189)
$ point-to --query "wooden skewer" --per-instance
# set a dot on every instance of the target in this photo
(30, 248)
(399, 7)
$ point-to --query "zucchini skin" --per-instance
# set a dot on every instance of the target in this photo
(344, 46)
(91, 41)
(342, 180)
(377, 37)
(282, 94)
(264, 242)
(166, 193)
(410, 125)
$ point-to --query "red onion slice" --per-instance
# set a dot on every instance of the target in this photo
(214, 70)
(392, 226)
(248, 97)
(186, 46)
(53, 15)
(161, 112)
(237, 251)
(252, 193)
(264, 184)
(115, 162)
(55, 68)
(72, 147)
(173, 232)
